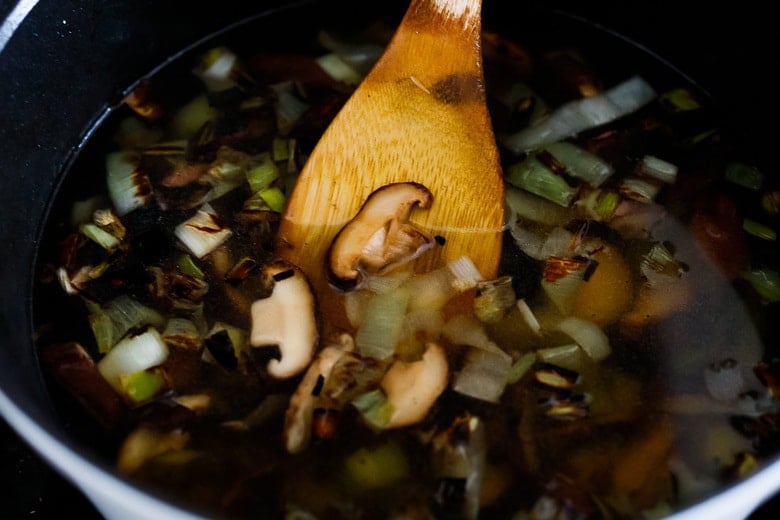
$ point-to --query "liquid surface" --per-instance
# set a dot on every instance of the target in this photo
(675, 274)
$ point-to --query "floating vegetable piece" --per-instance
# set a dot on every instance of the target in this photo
(589, 336)
(583, 114)
(285, 319)
(298, 418)
(338, 69)
(128, 187)
(413, 387)
(766, 282)
(580, 163)
(494, 298)
(133, 354)
(145, 443)
(744, 175)
(122, 314)
(724, 380)
(141, 101)
(379, 237)
(376, 467)
(203, 232)
(652, 166)
(535, 177)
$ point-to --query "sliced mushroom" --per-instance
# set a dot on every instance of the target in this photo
(285, 319)
(379, 237)
(413, 387)
(300, 411)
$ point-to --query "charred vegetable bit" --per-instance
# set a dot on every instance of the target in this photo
(607, 370)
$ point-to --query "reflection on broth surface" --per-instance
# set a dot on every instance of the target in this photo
(616, 368)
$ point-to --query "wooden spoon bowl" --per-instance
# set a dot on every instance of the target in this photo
(419, 116)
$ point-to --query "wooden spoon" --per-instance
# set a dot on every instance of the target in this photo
(419, 116)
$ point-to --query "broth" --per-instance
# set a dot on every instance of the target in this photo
(627, 377)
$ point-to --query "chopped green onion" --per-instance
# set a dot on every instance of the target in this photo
(374, 407)
(382, 324)
(532, 207)
(680, 100)
(183, 333)
(133, 354)
(142, 385)
(289, 108)
(187, 265)
(280, 149)
(484, 374)
(520, 367)
(216, 69)
(202, 233)
(587, 335)
(275, 199)
(191, 117)
(128, 188)
(569, 356)
(339, 69)
(111, 322)
(580, 163)
(102, 238)
(493, 299)
(766, 282)
(582, 114)
(639, 189)
(261, 176)
(658, 169)
(759, 230)
(744, 175)
(533, 176)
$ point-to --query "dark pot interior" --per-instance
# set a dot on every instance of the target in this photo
(69, 63)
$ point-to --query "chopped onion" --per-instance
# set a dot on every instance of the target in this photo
(583, 114)
(587, 335)
(202, 233)
(133, 354)
(467, 330)
(216, 69)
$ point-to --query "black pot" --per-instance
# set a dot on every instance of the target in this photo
(64, 65)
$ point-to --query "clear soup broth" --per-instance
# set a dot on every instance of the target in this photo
(618, 367)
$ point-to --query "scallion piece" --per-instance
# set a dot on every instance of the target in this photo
(680, 100)
(275, 199)
(532, 207)
(187, 265)
(532, 176)
(520, 367)
(261, 176)
(484, 375)
(580, 163)
(766, 282)
(744, 175)
(759, 230)
(102, 238)
(583, 114)
(658, 169)
(182, 333)
(589, 336)
(639, 189)
(280, 149)
(111, 322)
(374, 407)
(202, 233)
(133, 354)
(382, 324)
(339, 69)
(142, 385)
(128, 188)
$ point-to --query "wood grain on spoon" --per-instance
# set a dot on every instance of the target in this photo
(419, 116)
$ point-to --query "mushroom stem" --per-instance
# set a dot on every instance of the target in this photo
(285, 319)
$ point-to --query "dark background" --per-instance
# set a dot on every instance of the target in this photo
(729, 48)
